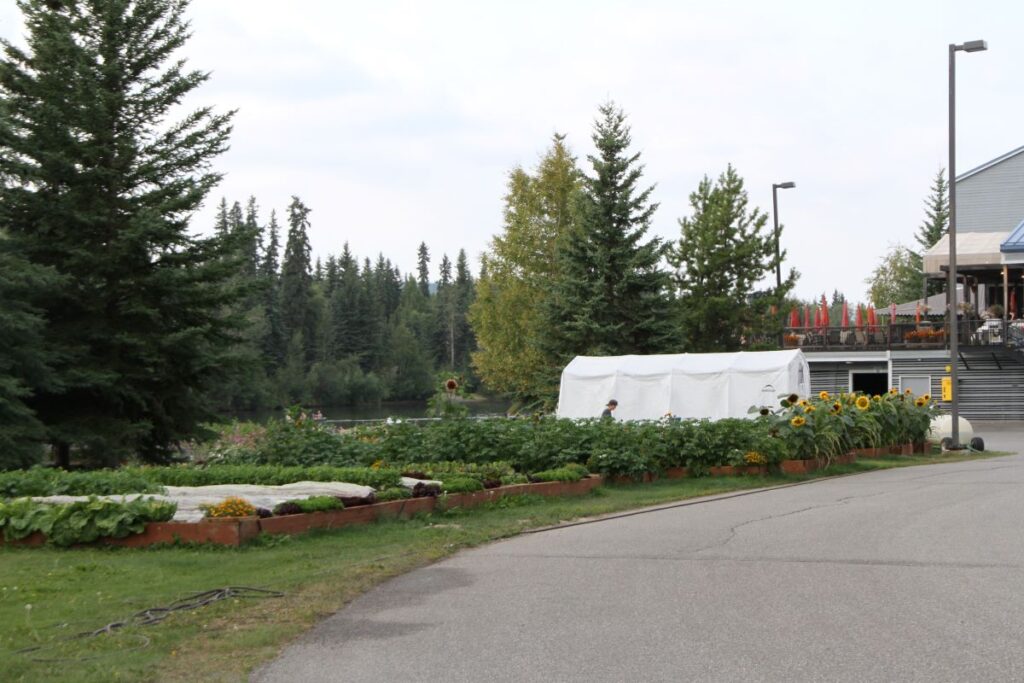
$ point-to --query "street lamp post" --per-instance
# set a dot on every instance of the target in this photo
(775, 213)
(969, 46)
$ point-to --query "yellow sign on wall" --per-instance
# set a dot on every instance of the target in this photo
(947, 388)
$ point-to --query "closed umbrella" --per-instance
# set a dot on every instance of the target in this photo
(859, 318)
(872, 320)
(824, 312)
(917, 314)
(794, 318)
(845, 322)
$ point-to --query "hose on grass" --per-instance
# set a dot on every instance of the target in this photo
(149, 617)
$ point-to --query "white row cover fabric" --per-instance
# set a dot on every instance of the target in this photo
(688, 385)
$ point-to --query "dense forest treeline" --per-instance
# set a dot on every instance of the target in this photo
(340, 330)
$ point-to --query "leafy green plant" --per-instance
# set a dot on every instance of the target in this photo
(620, 464)
(567, 474)
(319, 504)
(393, 493)
(41, 481)
(459, 484)
(81, 521)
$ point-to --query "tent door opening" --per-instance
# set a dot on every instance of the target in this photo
(869, 383)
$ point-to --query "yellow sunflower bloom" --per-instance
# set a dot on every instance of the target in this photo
(823, 395)
(803, 403)
(908, 392)
(798, 421)
(894, 391)
(926, 397)
(837, 407)
(809, 408)
(863, 403)
(920, 402)
(876, 397)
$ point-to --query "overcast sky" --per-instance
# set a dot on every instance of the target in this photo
(398, 122)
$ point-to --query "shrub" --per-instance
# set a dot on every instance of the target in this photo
(393, 493)
(620, 464)
(289, 507)
(232, 506)
(82, 521)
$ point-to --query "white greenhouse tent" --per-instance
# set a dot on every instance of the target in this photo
(697, 385)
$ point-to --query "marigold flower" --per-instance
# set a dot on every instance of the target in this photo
(863, 403)
(798, 421)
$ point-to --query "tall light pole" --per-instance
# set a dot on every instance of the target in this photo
(775, 213)
(954, 352)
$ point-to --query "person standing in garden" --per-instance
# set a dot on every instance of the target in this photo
(610, 408)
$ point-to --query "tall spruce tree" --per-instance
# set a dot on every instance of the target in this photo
(297, 314)
(935, 225)
(99, 185)
(507, 314)
(273, 342)
(612, 295)
(723, 252)
(464, 294)
(423, 268)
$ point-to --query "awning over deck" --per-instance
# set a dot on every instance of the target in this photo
(1014, 244)
(972, 249)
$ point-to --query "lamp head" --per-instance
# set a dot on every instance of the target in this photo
(785, 186)
(974, 46)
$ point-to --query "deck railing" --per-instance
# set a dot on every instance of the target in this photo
(905, 335)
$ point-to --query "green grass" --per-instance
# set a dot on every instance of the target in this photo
(47, 594)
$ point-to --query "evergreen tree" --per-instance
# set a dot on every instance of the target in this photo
(252, 245)
(935, 225)
(24, 361)
(297, 315)
(372, 322)
(423, 268)
(273, 342)
(99, 185)
(612, 294)
(332, 275)
(346, 308)
(446, 303)
(221, 226)
(723, 252)
(507, 314)
(464, 295)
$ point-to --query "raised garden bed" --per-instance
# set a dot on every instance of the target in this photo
(233, 531)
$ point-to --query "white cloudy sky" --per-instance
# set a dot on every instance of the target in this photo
(397, 122)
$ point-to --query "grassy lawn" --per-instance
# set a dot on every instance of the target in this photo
(47, 595)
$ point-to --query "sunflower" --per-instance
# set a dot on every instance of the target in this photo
(863, 403)
(792, 398)
(823, 395)
(876, 397)
(920, 402)
(908, 392)
(765, 411)
(926, 397)
(809, 408)
(894, 391)
(803, 403)
(798, 421)
(837, 408)
(451, 385)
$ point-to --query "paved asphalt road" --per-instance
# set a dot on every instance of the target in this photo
(914, 574)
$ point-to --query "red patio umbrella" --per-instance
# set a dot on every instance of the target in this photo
(845, 322)
(794, 318)
(860, 318)
(917, 314)
(872, 320)
(824, 312)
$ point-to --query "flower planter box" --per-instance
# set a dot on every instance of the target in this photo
(722, 470)
(799, 466)
(647, 478)
(847, 458)
(908, 448)
(869, 452)
(232, 531)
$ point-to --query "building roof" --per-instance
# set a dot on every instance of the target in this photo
(972, 249)
(1014, 244)
(990, 164)
(936, 303)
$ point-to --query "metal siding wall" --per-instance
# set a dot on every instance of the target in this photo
(987, 391)
(992, 200)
